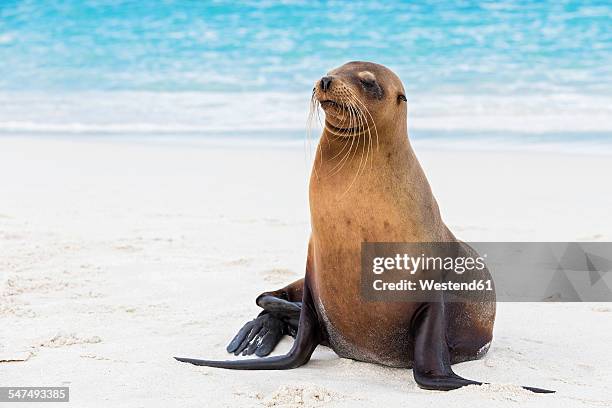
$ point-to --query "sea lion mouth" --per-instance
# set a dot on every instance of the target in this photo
(328, 103)
(341, 119)
(342, 131)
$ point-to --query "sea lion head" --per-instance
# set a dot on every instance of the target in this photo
(359, 96)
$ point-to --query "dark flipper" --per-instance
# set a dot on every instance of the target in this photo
(258, 336)
(273, 304)
(306, 341)
(285, 310)
(432, 368)
(539, 390)
(261, 335)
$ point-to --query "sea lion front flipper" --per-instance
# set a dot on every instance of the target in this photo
(432, 368)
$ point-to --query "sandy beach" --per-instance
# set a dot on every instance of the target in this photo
(116, 255)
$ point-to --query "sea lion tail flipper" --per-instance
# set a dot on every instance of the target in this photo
(304, 345)
(432, 367)
(539, 390)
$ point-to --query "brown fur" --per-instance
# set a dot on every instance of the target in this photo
(388, 200)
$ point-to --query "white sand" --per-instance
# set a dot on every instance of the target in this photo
(116, 256)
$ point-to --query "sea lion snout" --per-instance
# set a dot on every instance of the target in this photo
(325, 83)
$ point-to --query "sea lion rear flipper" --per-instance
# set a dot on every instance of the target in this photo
(432, 368)
(306, 341)
(263, 333)
(274, 304)
(280, 316)
(258, 336)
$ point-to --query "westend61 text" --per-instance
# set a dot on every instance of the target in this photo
(433, 285)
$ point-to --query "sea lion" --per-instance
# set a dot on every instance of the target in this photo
(366, 186)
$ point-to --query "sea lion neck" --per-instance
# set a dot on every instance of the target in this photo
(377, 144)
(377, 155)
(387, 196)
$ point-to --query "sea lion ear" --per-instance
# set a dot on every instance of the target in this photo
(401, 97)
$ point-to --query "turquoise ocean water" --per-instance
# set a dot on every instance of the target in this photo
(520, 70)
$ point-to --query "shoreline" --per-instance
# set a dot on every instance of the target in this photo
(550, 143)
(206, 111)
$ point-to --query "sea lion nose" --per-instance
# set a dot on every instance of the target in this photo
(326, 82)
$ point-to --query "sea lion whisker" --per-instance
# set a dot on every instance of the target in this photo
(319, 150)
(346, 157)
(346, 142)
(353, 156)
(359, 167)
(369, 148)
(308, 141)
(349, 128)
(347, 116)
(372, 119)
(311, 115)
(363, 125)
(342, 129)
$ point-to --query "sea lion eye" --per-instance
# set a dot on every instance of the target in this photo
(370, 86)
(401, 97)
(368, 82)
